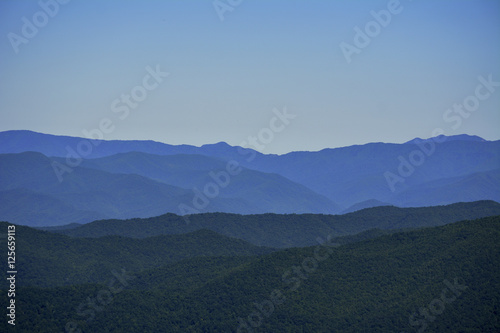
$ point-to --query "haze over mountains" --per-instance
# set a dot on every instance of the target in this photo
(306, 241)
(60, 180)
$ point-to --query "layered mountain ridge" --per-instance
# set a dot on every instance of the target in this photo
(81, 180)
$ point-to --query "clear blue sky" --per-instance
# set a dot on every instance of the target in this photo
(225, 77)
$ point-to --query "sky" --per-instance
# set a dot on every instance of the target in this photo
(285, 75)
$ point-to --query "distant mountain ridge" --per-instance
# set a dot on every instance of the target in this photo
(86, 194)
(18, 141)
(436, 171)
(442, 138)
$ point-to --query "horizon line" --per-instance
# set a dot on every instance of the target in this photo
(417, 139)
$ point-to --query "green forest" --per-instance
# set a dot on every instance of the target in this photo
(439, 279)
(286, 230)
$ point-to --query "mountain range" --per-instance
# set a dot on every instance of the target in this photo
(60, 180)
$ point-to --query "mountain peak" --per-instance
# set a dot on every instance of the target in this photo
(442, 138)
(218, 144)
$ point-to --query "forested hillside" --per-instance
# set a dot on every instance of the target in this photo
(46, 259)
(443, 279)
(275, 230)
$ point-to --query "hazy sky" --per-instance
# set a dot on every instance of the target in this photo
(227, 76)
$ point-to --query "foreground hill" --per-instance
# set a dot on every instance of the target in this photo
(47, 259)
(365, 204)
(441, 279)
(288, 230)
